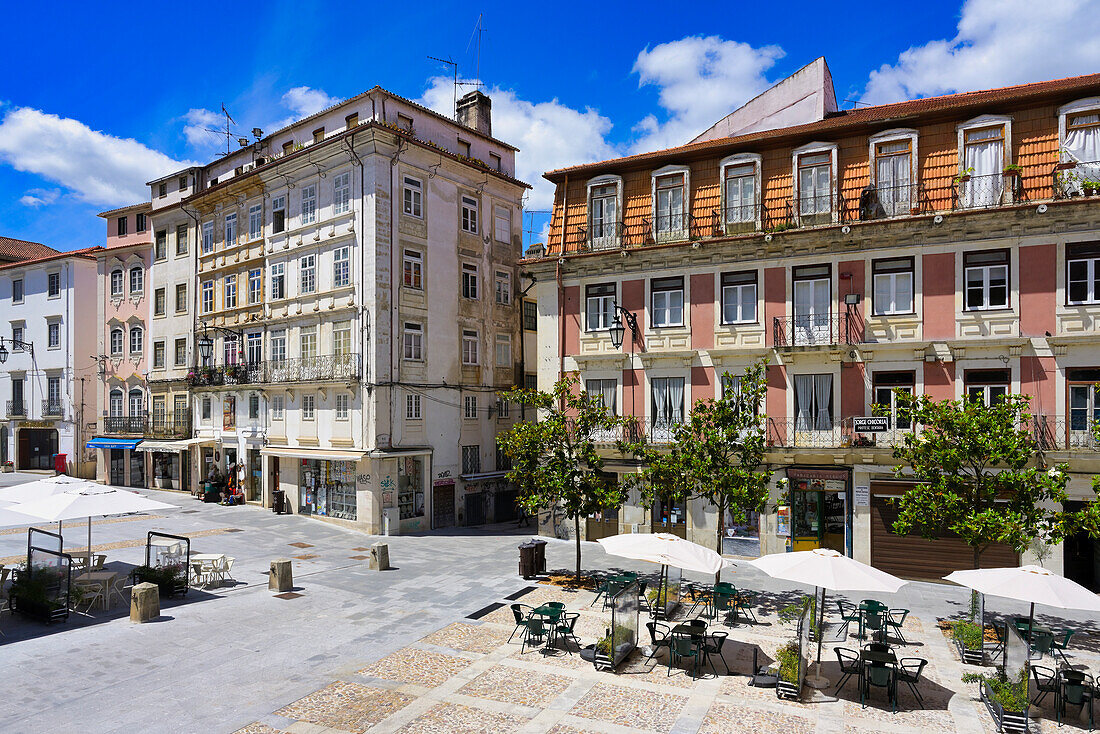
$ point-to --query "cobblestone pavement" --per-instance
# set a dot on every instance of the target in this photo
(420, 648)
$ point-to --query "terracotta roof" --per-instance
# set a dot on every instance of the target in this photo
(865, 116)
(13, 249)
(88, 253)
(141, 205)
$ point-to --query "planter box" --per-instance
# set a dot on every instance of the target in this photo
(789, 691)
(970, 657)
(178, 588)
(1006, 721)
(7, 469)
(42, 612)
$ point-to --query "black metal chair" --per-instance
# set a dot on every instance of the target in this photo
(658, 636)
(1077, 691)
(712, 645)
(908, 672)
(643, 600)
(1046, 681)
(850, 665)
(564, 629)
(683, 646)
(879, 675)
(520, 612)
(744, 604)
(894, 620)
(848, 613)
(537, 629)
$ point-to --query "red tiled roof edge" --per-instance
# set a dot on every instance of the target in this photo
(88, 253)
(23, 249)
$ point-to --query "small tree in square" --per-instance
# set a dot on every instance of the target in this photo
(555, 461)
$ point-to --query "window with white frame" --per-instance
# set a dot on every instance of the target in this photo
(469, 215)
(1082, 273)
(603, 214)
(987, 386)
(160, 302)
(412, 267)
(502, 287)
(886, 387)
(669, 216)
(412, 407)
(893, 176)
(308, 270)
(341, 193)
(137, 402)
(230, 230)
(207, 238)
(413, 338)
(181, 297)
(231, 350)
(412, 197)
(813, 402)
(53, 394)
(469, 281)
(504, 350)
(503, 409)
(17, 288)
(739, 297)
(137, 280)
(253, 406)
(181, 239)
(116, 403)
(255, 279)
(893, 285)
(53, 285)
(469, 407)
(277, 275)
(341, 338)
(255, 222)
(599, 306)
(117, 280)
(815, 187)
(308, 407)
(341, 267)
(307, 342)
(278, 214)
(739, 191)
(137, 339)
(1079, 128)
(309, 204)
(53, 334)
(604, 391)
(17, 332)
(985, 274)
(342, 404)
(277, 407)
(179, 356)
(276, 342)
(982, 181)
(254, 347)
(229, 292)
(208, 296)
(667, 301)
(469, 347)
(207, 409)
(502, 223)
(667, 394)
(160, 245)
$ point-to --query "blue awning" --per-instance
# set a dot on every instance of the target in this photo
(114, 443)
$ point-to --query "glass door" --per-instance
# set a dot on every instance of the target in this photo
(811, 312)
(670, 516)
(819, 514)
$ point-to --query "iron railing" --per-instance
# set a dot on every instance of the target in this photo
(16, 408)
(1076, 178)
(738, 219)
(815, 432)
(1062, 433)
(124, 423)
(335, 367)
(603, 236)
(986, 191)
(169, 425)
(814, 210)
(51, 408)
(887, 200)
(817, 330)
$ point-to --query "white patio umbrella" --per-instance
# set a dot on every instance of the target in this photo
(824, 568)
(665, 549)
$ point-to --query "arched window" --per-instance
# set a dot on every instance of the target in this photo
(115, 407)
(137, 340)
(116, 282)
(137, 280)
(117, 337)
(137, 402)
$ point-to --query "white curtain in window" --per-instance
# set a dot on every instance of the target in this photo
(1083, 146)
(823, 393)
(892, 182)
(676, 396)
(660, 401)
(804, 400)
(986, 160)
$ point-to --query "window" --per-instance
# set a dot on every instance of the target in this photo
(469, 347)
(277, 346)
(183, 183)
(502, 287)
(53, 285)
(277, 407)
(160, 245)
(137, 340)
(813, 402)
(231, 350)
(137, 402)
(983, 161)
(181, 239)
(815, 187)
(117, 340)
(986, 277)
(17, 335)
(341, 193)
(307, 342)
(464, 148)
(502, 224)
(668, 405)
(253, 406)
(278, 214)
(413, 341)
(342, 406)
(351, 120)
(669, 215)
(308, 268)
(739, 298)
(885, 397)
(495, 163)
(162, 190)
(17, 287)
(987, 386)
(404, 122)
(207, 238)
(1080, 132)
(604, 391)
(254, 285)
(53, 394)
(740, 195)
(504, 350)
(309, 204)
(308, 404)
(469, 280)
(1082, 273)
(530, 316)
(603, 205)
(140, 221)
(181, 297)
(255, 222)
(137, 280)
(278, 281)
(503, 409)
(341, 267)
(121, 227)
(599, 306)
(471, 459)
(1084, 405)
(668, 301)
(208, 296)
(53, 335)
(893, 286)
(229, 292)
(319, 135)
(469, 407)
(411, 197)
(288, 147)
(180, 355)
(412, 407)
(159, 352)
(893, 171)
(207, 408)
(412, 266)
(160, 302)
(469, 215)
(117, 403)
(254, 347)
(341, 338)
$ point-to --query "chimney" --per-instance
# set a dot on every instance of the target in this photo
(474, 110)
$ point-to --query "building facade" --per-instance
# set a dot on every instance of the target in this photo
(944, 246)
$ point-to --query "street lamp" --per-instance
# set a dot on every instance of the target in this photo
(617, 331)
(3, 352)
(15, 343)
(206, 342)
(206, 348)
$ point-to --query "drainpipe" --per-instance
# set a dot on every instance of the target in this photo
(561, 287)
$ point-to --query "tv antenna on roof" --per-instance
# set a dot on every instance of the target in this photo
(454, 67)
(478, 30)
(227, 131)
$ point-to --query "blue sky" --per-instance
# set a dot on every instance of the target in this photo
(107, 98)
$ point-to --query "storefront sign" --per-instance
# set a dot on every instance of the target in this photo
(36, 424)
(817, 474)
(443, 483)
(871, 424)
(862, 496)
(783, 521)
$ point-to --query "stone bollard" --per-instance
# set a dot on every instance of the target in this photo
(380, 556)
(281, 578)
(144, 602)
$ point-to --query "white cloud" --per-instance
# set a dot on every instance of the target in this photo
(304, 101)
(549, 134)
(35, 198)
(200, 126)
(998, 43)
(98, 168)
(204, 129)
(701, 80)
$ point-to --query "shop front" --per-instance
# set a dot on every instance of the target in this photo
(118, 462)
(489, 498)
(36, 446)
(820, 509)
(168, 462)
(327, 488)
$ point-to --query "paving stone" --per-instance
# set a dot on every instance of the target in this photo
(453, 718)
(413, 665)
(628, 706)
(511, 684)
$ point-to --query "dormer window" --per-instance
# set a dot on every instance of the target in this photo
(813, 175)
(670, 211)
(740, 211)
(1079, 133)
(603, 212)
(982, 145)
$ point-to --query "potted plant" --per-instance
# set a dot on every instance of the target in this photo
(1067, 182)
(9, 466)
(789, 658)
(1005, 699)
(964, 175)
(969, 639)
(170, 579)
(36, 594)
(1012, 169)
(1091, 187)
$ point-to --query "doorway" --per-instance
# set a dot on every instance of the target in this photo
(1081, 555)
(670, 516)
(811, 305)
(36, 447)
(820, 510)
(117, 463)
(255, 475)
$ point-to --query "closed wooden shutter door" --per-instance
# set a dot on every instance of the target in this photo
(913, 557)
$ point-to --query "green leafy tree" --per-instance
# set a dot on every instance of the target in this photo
(715, 455)
(555, 461)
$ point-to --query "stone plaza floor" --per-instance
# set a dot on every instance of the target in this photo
(413, 649)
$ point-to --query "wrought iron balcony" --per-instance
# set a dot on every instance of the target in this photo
(986, 191)
(816, 209)
(885, 201)
(817, 331)
(603, 235)
(739, 219)
(1059, 433)
(51, 408)
(330, 367)
(124, 423)
(810, 432)
(169, 425)
(1076, 178)
(16, 408)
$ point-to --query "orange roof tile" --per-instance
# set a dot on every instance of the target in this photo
(13, 249)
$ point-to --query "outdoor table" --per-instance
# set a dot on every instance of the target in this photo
(870, 606)
(551, 615)
(207, 567)
(693, 631)
(100, 579)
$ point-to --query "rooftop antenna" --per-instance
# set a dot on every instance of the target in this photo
(454, 67)
(228, 130)
(478, 30)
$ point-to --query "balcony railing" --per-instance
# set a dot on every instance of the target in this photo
(1076, 178)
(169, 425)
(986, 191)
(51, 408)
(16, 408)
(1059, 433)
(887, 200)
(124, 423)
(603, 235)
(335, 367)
(817, 330)
(814, 432)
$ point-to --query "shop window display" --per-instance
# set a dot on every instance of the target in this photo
(410, 487)
(328, 488)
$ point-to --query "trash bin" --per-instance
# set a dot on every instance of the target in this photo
(540, 555)
(278, 501)
(527, 560)
(60, 465)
